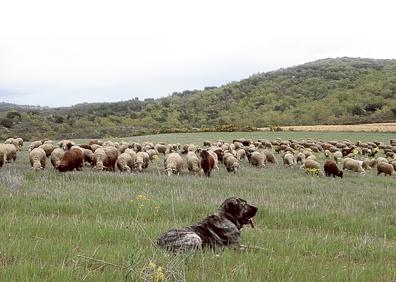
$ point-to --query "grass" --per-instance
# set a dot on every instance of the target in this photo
(99, 226)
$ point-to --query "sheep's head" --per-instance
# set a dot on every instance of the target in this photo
(170, 171)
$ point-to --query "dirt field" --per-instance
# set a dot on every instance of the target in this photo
(372, 127)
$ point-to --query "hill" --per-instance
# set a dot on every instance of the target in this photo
(329, 91)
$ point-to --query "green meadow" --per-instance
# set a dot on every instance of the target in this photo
(101, 226)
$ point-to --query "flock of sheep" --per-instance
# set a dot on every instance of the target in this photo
(127, 157)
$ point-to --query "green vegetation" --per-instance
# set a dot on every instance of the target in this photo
(329, 91)
(100, 226)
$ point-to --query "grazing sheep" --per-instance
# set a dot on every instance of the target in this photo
(111, 157)
(12, 141)
(337, 156)
(20, 141)
(256, 159)
(126, 161)
(270, 157)
(48, 148)
(207, 162)
(312, 164)
(152, 154)
(160, 148)
(88, 156)
(241, 154)
(72, 159)
(96, 141)
(193, 163)
(331, 169)
(327, 153)
(100, 158)
(37, 158)
(219, 152)
(231, 163)
(57, 156)
(35, 144)
(381, 160)
(288, 159)
(300, 158)
(9, 152)
(142, 160)
(353, 165)
(386, 169)
(207, 143)
(173, 164)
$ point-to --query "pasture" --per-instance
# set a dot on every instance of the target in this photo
(100, 226)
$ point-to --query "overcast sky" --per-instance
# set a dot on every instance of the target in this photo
(58, 53)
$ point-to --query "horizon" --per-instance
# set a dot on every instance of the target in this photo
(119, 51)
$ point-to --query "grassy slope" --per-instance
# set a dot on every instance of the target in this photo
(308, 228)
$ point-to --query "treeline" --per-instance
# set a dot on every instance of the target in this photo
(329, 91)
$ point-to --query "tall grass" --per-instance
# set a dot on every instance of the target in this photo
(99, 226)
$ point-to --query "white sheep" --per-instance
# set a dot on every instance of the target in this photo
(37, 158)
(193, 162)
(142, 160)
(173, 164)
(231, 163)
(57, 156)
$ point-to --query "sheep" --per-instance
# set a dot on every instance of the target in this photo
(231, 163)
(207, 143)
(207, 162)
(106, 158)
(66, 144)
(312, 164)
(94, 147)
(57, 156)
(269, 157)
(241, 154)
(88, 156)
(337, 156)
(300, 158)
(37, 158)
(96, 141)
(48, 148)
(152, 154)
(381, 160)
(72, 159)
(100, 159)
(160, 148)
(327, 153)
(219, 152)
(12, 141)
(142, 160)
(385, 168)
(35, 144)
(353, 165)
(193, 163)
(288, 159)
(215, 158)
(9, 152)
(20, 141)
(256, 159)
(126, 161)
(173, 164)
(331, 169)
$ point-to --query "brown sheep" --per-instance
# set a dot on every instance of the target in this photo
(72, 159)
(207, 162)
(331, 169)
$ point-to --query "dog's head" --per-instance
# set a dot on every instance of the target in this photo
(239, 210)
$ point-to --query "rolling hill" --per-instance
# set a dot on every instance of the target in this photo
(328, 91)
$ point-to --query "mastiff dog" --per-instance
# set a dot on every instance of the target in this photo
(218, 230)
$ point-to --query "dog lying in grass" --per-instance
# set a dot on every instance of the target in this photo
(220, 229)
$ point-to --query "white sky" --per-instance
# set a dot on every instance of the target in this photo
(58, 53)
